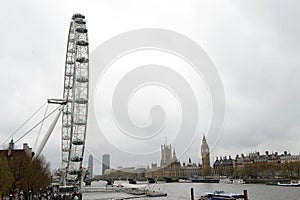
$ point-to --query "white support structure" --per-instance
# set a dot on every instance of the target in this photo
(47, 135)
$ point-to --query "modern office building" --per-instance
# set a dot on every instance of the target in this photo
(105, 162)
(91, 166)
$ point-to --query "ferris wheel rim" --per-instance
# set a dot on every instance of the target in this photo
(76, 91)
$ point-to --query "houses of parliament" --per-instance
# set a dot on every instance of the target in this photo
(170, 166)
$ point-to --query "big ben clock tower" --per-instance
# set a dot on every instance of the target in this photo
(205, 155)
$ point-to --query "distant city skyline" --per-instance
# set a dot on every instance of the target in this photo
(254, 46)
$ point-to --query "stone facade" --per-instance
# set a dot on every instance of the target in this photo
(205, 154)
(222, 164)
(167, 155)
(11, 151)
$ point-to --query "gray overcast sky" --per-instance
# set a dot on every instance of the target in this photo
(254, 45)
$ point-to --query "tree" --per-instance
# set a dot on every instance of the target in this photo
(264, 169)
(19, 167)
(6, 177)
(28, 174)
(207, 171)
(290, 169)
(249, 170)
(229, 171)
(220, 170)
(38, 175)
(296, 169)
(238, 172)
(287, 169)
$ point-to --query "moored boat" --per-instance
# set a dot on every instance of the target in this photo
(135, 191)
(231, 181)
(221, 195)
(155, 194)
(205, 180)
(291, 184)
(238, 181)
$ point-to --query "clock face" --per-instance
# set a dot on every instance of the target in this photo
(205, 151)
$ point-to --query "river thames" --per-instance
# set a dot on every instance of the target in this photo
(182, 191)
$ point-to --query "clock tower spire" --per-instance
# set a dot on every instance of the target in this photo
(205, 156)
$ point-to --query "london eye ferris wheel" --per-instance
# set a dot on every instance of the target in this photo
(75, 94)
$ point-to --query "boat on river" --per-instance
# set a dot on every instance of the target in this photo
(291, 184)
(221, 195)
(135, 191)
(205, 180)
(155, 194)
(231, 181)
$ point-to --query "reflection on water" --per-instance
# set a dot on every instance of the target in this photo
(182, 191)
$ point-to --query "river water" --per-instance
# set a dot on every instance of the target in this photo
(182, 191)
